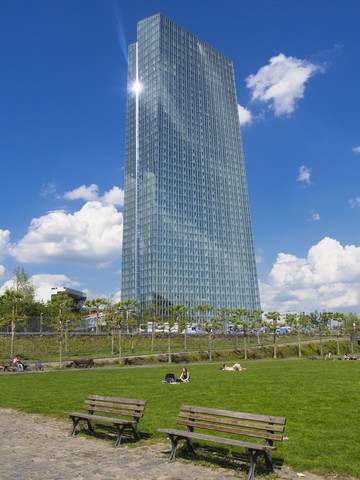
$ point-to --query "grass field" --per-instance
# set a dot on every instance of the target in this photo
(319, 399)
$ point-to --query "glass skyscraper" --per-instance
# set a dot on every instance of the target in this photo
(187, 235)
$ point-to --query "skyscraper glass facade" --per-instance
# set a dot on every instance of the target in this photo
(187, 235)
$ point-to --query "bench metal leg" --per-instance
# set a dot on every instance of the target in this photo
(120, 431)
(253, 459)
(135, 432)
(76, 421)
(174, 443)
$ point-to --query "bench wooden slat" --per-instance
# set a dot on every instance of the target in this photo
(214, 439)
(229, 421)
(127, 406)
(234, 414)
(236, 431)
(99, 418)
(117, 399)
(118, 411)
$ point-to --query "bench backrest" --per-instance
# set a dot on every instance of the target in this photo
(264, 427)
(124, 407)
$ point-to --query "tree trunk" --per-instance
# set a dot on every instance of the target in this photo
(169, 347)
(112, 342)
(120, 347)
(12, 342)
(245, 347)
(152, 336)
(299, 345)
(275, 352)
(61, 350)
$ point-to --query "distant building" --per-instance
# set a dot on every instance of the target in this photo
(187, 235)
(79, 298)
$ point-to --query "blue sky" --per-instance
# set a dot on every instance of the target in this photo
(63, 74)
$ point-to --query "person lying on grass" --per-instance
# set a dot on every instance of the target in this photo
(235, 368)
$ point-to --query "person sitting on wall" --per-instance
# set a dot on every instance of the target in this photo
(18, 363)
(235, 368)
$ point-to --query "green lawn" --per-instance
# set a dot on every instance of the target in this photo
(319, 399)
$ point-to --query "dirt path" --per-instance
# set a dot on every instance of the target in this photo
(34, 447)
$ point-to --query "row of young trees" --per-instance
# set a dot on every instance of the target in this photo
(18, 304)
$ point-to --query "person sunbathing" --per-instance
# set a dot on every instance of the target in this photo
(235, 368)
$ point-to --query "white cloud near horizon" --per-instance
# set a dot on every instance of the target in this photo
(245, 116)
(44, 282)
(328, 278)
(356, 149)
(281, 83)
(91, 236)
(304, 175)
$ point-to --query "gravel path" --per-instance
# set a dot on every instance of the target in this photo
(34, 447)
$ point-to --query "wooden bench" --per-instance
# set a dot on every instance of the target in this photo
(125, 414)
(83, 363)
(237, 428)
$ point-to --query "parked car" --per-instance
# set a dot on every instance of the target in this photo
(283, 330)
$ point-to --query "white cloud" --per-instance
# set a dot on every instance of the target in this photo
(304, 175)
(90, 236)
(4, 243)
(281, 82)
(245, 115)
(328, 278)
(314, 217)
(2, 270)
(44, 282)
(115, 196)
(83, 193)
(355, 202)
(356, 149)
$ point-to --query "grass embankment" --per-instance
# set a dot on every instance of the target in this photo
(319, 399)
(196, 347)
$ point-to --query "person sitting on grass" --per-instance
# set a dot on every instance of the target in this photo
(185, 376)
(235, 368)
(169, 378)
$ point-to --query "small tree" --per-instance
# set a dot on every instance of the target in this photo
(13, 312)
(153, 313)
(96, 305)
(256, 322)
(22, 283)
(203, 310)
(320, 320)
(292, 319)
(62, 318)
(274, 317)
(222, 317)
(240, 322)
(116, 317)
(175, 313)
(338, 329)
